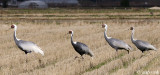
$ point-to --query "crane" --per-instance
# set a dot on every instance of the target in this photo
(26, 46)
(80, 47)
(141, 45)
(116, 43)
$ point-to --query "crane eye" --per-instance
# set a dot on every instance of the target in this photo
(12, 26)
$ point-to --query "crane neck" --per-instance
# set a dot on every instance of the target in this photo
(14, 35)
(72, 38)
(105, 34)
(132, 36)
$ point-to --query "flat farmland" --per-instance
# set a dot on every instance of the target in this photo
(49, 28)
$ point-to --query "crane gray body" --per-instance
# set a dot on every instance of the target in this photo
(81, 48)
(143, 46)
(118, 44)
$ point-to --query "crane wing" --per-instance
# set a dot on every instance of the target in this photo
(84, 49)
(30, 46)
(118, 43)
(82, 46)
(145, 44)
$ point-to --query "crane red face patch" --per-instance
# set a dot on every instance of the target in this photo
(70, 32)
(131, 28)
(103, 25)
(12, 26)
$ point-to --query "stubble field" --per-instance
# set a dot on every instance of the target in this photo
(49, 30)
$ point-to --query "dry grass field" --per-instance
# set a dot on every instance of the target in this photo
(51, 34)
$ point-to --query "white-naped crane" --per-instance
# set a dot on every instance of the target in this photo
(116, 43)
(26, 46)
(80, 47)
(141, 45)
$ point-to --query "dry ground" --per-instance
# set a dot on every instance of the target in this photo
(51, 36)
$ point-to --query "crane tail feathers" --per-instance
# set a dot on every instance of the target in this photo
(154, 48)
(91, 53)
(38, 50)
(41, 52)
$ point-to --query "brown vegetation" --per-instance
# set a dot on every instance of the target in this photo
(51, 36)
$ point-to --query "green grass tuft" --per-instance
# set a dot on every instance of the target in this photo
(105, 62)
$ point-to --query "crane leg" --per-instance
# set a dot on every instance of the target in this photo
(142, 54)
(82, 57)
(26, 62)
(142, 51)
(117, 52)
(128, 51)
(26, 58)
(149, 52)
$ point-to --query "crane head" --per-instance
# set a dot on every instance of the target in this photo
(70, 32)
(12, 26)
(131, 28)
(104, 25)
